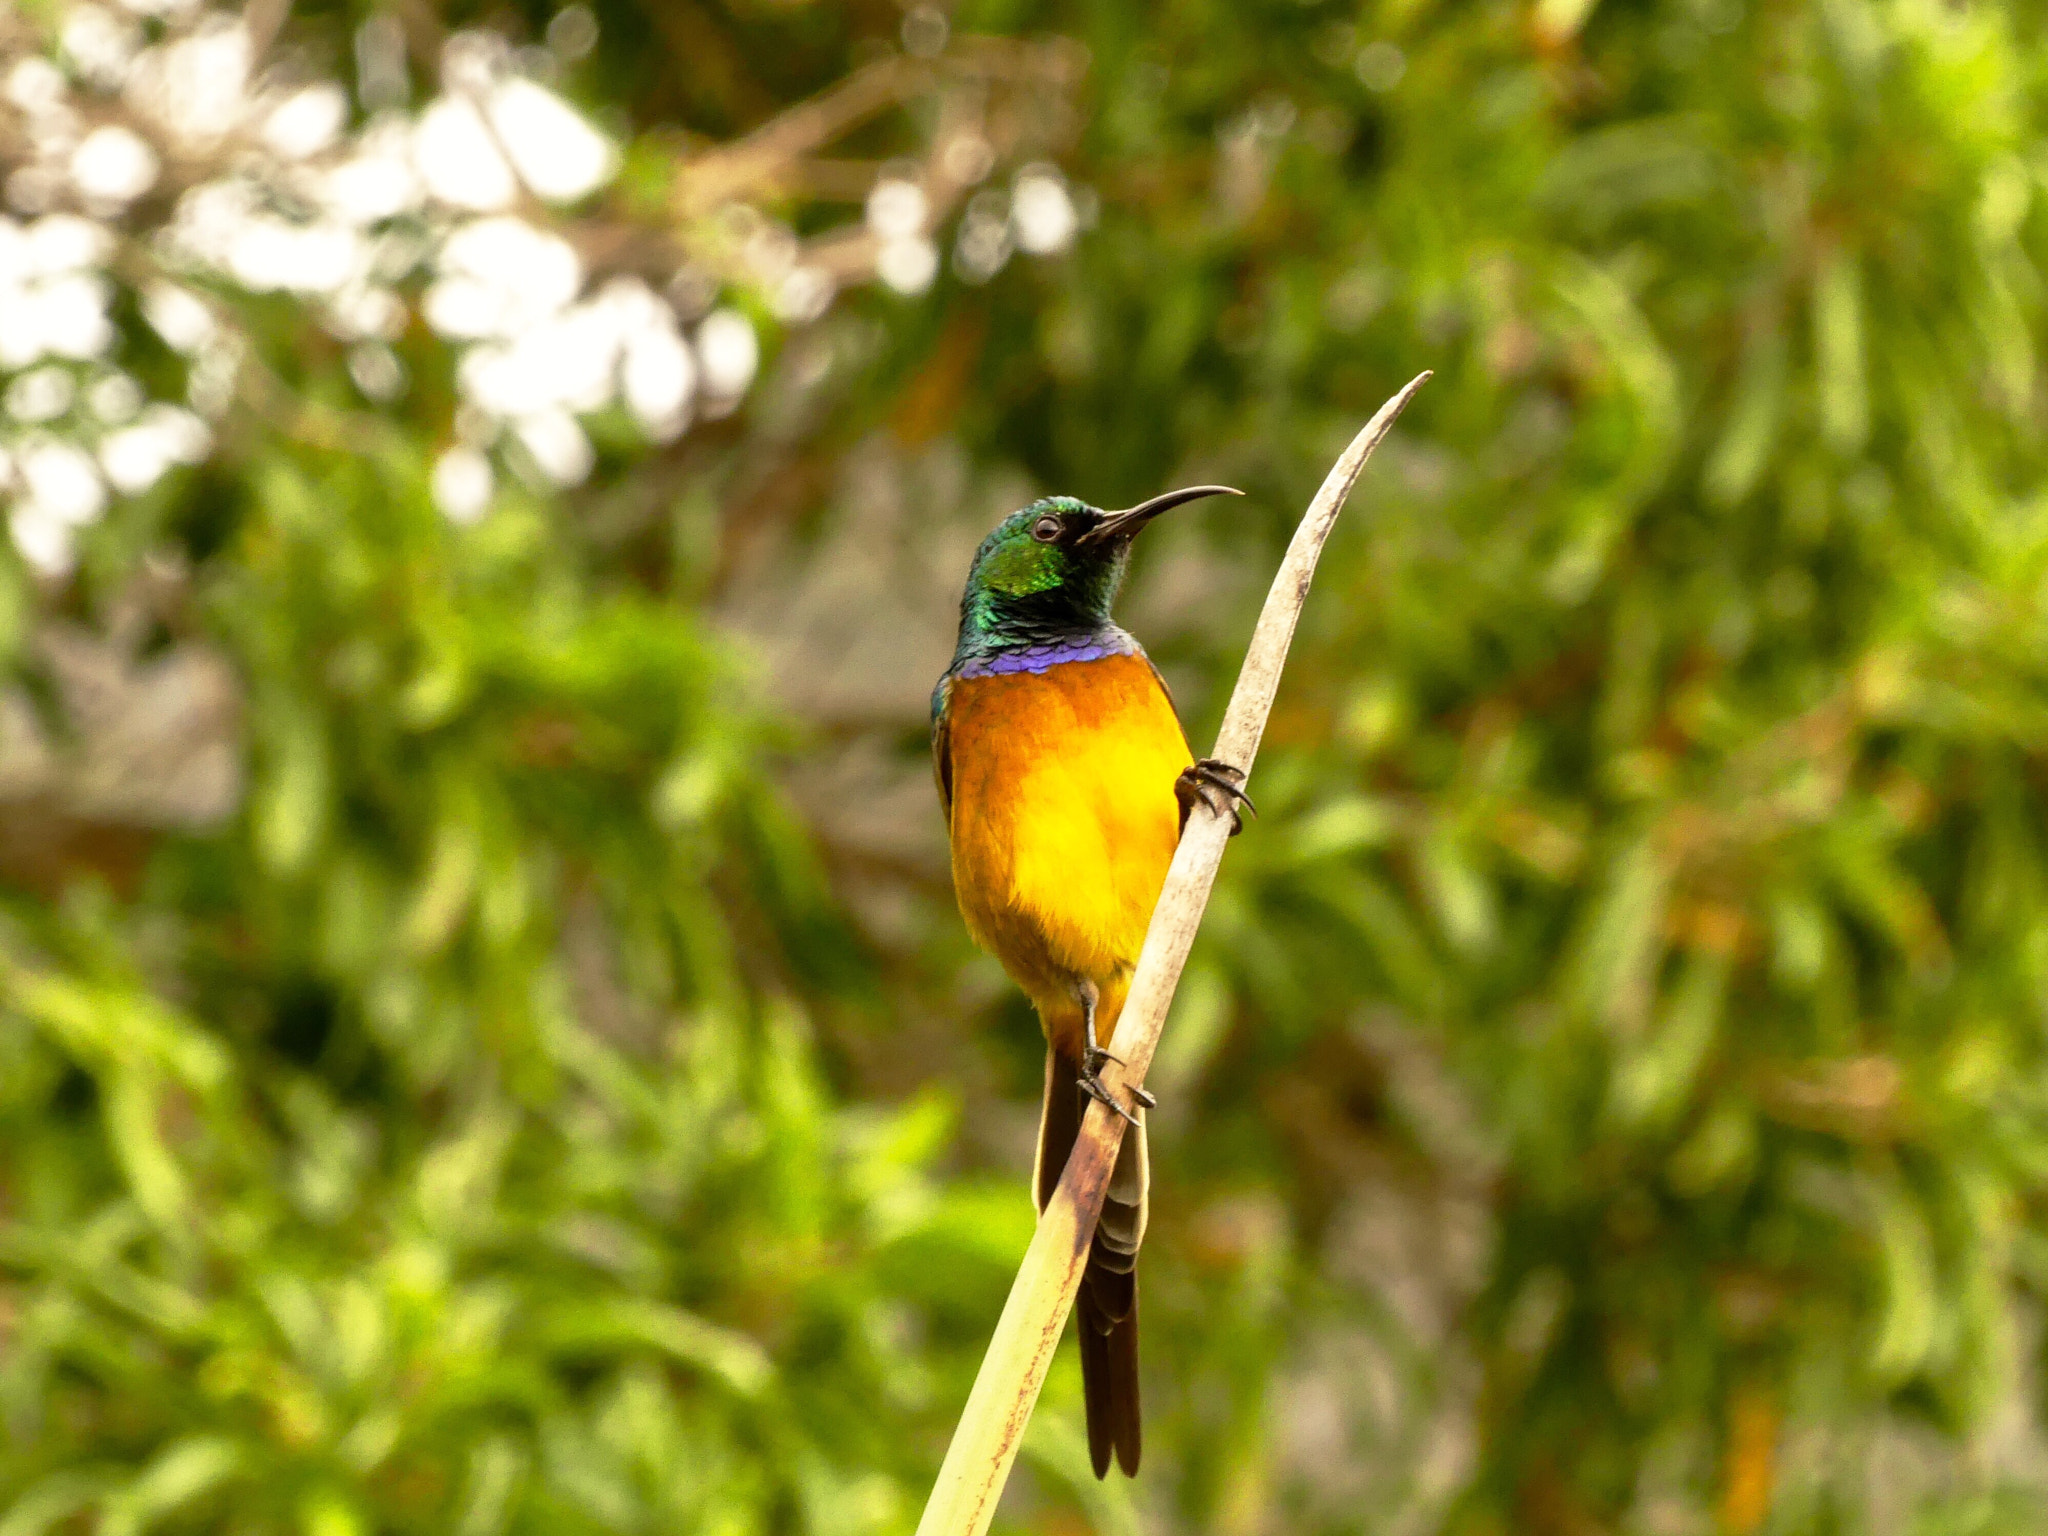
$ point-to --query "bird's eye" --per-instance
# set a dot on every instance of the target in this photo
(1046, 529)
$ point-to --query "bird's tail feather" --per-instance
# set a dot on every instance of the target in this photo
(1107, 1307)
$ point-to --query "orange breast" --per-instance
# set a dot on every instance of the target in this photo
(1063, 819)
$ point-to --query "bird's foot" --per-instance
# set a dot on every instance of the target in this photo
(1218, 785)
(1092, 1085)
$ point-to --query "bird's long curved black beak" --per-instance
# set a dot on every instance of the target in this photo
(1121, 525)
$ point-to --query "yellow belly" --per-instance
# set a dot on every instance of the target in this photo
(1063, 824)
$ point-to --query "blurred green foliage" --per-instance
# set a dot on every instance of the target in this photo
(1609, 1094)
(446, 1149)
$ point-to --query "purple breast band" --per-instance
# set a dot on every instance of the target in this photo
(1053, 653)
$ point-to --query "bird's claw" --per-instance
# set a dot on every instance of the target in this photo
(1091, 1082)
(1093, 1086)
(1218, 785)
(1093, 1056)
(1092, 1064)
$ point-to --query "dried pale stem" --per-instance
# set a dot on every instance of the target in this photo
(977, 1464)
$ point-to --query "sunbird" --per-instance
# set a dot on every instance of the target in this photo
(1066, 780)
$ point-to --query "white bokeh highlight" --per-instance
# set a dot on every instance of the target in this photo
(113, 166)
(179, 316)
(382, 213)
(463, 484)
(135, 457)
(728, 352)
(1042, 212)
(306, 122)
(907, 265)
(559, 156)
(457, 158)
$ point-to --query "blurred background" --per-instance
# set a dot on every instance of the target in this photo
(486, 1044)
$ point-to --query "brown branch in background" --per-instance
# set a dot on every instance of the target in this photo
(710, 179)
(770, 152)
(977, 1464)
(424, 32)
(263, 20)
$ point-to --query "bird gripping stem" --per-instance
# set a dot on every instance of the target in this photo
(977, 1464)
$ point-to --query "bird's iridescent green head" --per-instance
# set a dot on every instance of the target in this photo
(1053, 568)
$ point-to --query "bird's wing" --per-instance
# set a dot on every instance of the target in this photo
(942, 756)
(1160, 678)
